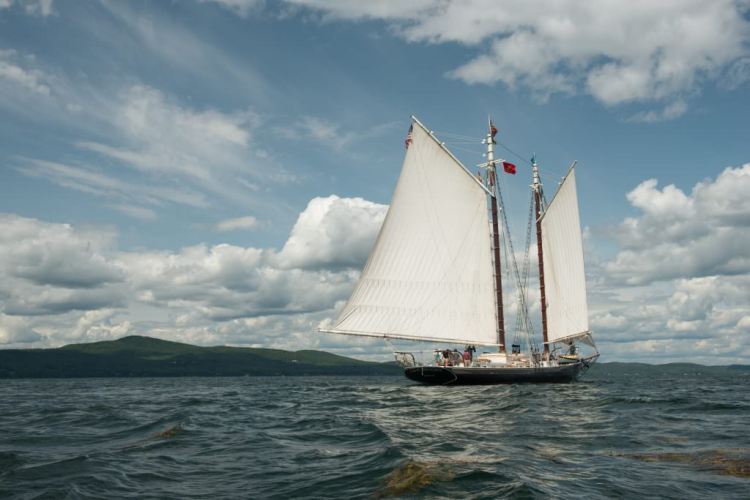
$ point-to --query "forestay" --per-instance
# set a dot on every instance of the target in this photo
(429, 276)
(564, 278)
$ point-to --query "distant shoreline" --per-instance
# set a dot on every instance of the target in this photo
(147, 357)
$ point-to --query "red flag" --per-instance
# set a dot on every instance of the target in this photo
(493, 130)
(407, 142)
(509, 167)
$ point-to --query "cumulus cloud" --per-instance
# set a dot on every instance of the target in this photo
(15, 330)
(36, 301)
(60, 283)
(678, 235)
(677, 289)
(99, 325)
(696, 319)
(53, 269)
(55, 254)
(333, 233)
(617, 51)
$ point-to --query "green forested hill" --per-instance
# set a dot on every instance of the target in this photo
(137, 356)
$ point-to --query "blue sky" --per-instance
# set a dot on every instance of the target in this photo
(215, 171)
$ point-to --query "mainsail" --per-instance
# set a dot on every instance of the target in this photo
(565, 281)
(430, 275)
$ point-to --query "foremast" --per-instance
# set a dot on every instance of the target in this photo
(492, 181)
(536, 186)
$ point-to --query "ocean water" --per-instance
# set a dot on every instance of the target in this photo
(625, 433)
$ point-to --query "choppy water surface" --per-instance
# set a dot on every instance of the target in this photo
(614, 434)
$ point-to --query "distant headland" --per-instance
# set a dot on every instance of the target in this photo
(138, 356)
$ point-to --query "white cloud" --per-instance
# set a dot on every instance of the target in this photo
(32, 7)
(29, 79)
(679, 235)
(323, 131)
(694, 319)
(737, 75)
(187, 156)
(26, 300)
(176, 46)
(136, 212)
(99, 325)
(15, 330)
(617, 51)
(670, 112)
(247, 222)
(240, 7)
(333, 233)
(168, 139)
(333, 135)
(55, 254)
(678, 287)
(93, 181)
(60, 283)
(56, 268)
(67, 283)
(608, 321)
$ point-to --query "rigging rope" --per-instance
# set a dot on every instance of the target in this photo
(526, 269)
(523, 309)
(464, 139)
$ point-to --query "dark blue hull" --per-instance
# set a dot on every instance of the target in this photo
(438, 375)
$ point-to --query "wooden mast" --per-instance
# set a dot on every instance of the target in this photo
(537, 187)
(490, 140)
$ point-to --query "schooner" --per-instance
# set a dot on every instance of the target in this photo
(435, 273)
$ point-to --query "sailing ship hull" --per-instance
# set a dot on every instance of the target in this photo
(438, 375)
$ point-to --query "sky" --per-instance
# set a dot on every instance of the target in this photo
(216, 171)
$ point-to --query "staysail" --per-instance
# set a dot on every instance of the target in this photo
(429, 276)
(565, 281)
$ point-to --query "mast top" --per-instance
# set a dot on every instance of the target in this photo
(489, 140)
(536, 182)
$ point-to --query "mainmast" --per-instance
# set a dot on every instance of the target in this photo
(537, 187)
(492, 178)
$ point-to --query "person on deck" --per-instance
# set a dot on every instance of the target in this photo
(467, 357)
(455, 357)
(447, 356)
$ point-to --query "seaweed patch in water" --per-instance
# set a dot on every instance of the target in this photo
(171, 432)
(412, 476)
(732, 462)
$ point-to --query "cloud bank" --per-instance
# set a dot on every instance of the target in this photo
(619, 52)
(677, 288)
(60, 283)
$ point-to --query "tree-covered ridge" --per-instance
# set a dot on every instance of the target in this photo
(138, 356)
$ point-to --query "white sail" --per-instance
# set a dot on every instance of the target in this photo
(564, 278)
(430, 274)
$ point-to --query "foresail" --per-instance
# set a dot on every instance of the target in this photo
(429, 276)
(564, 278)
